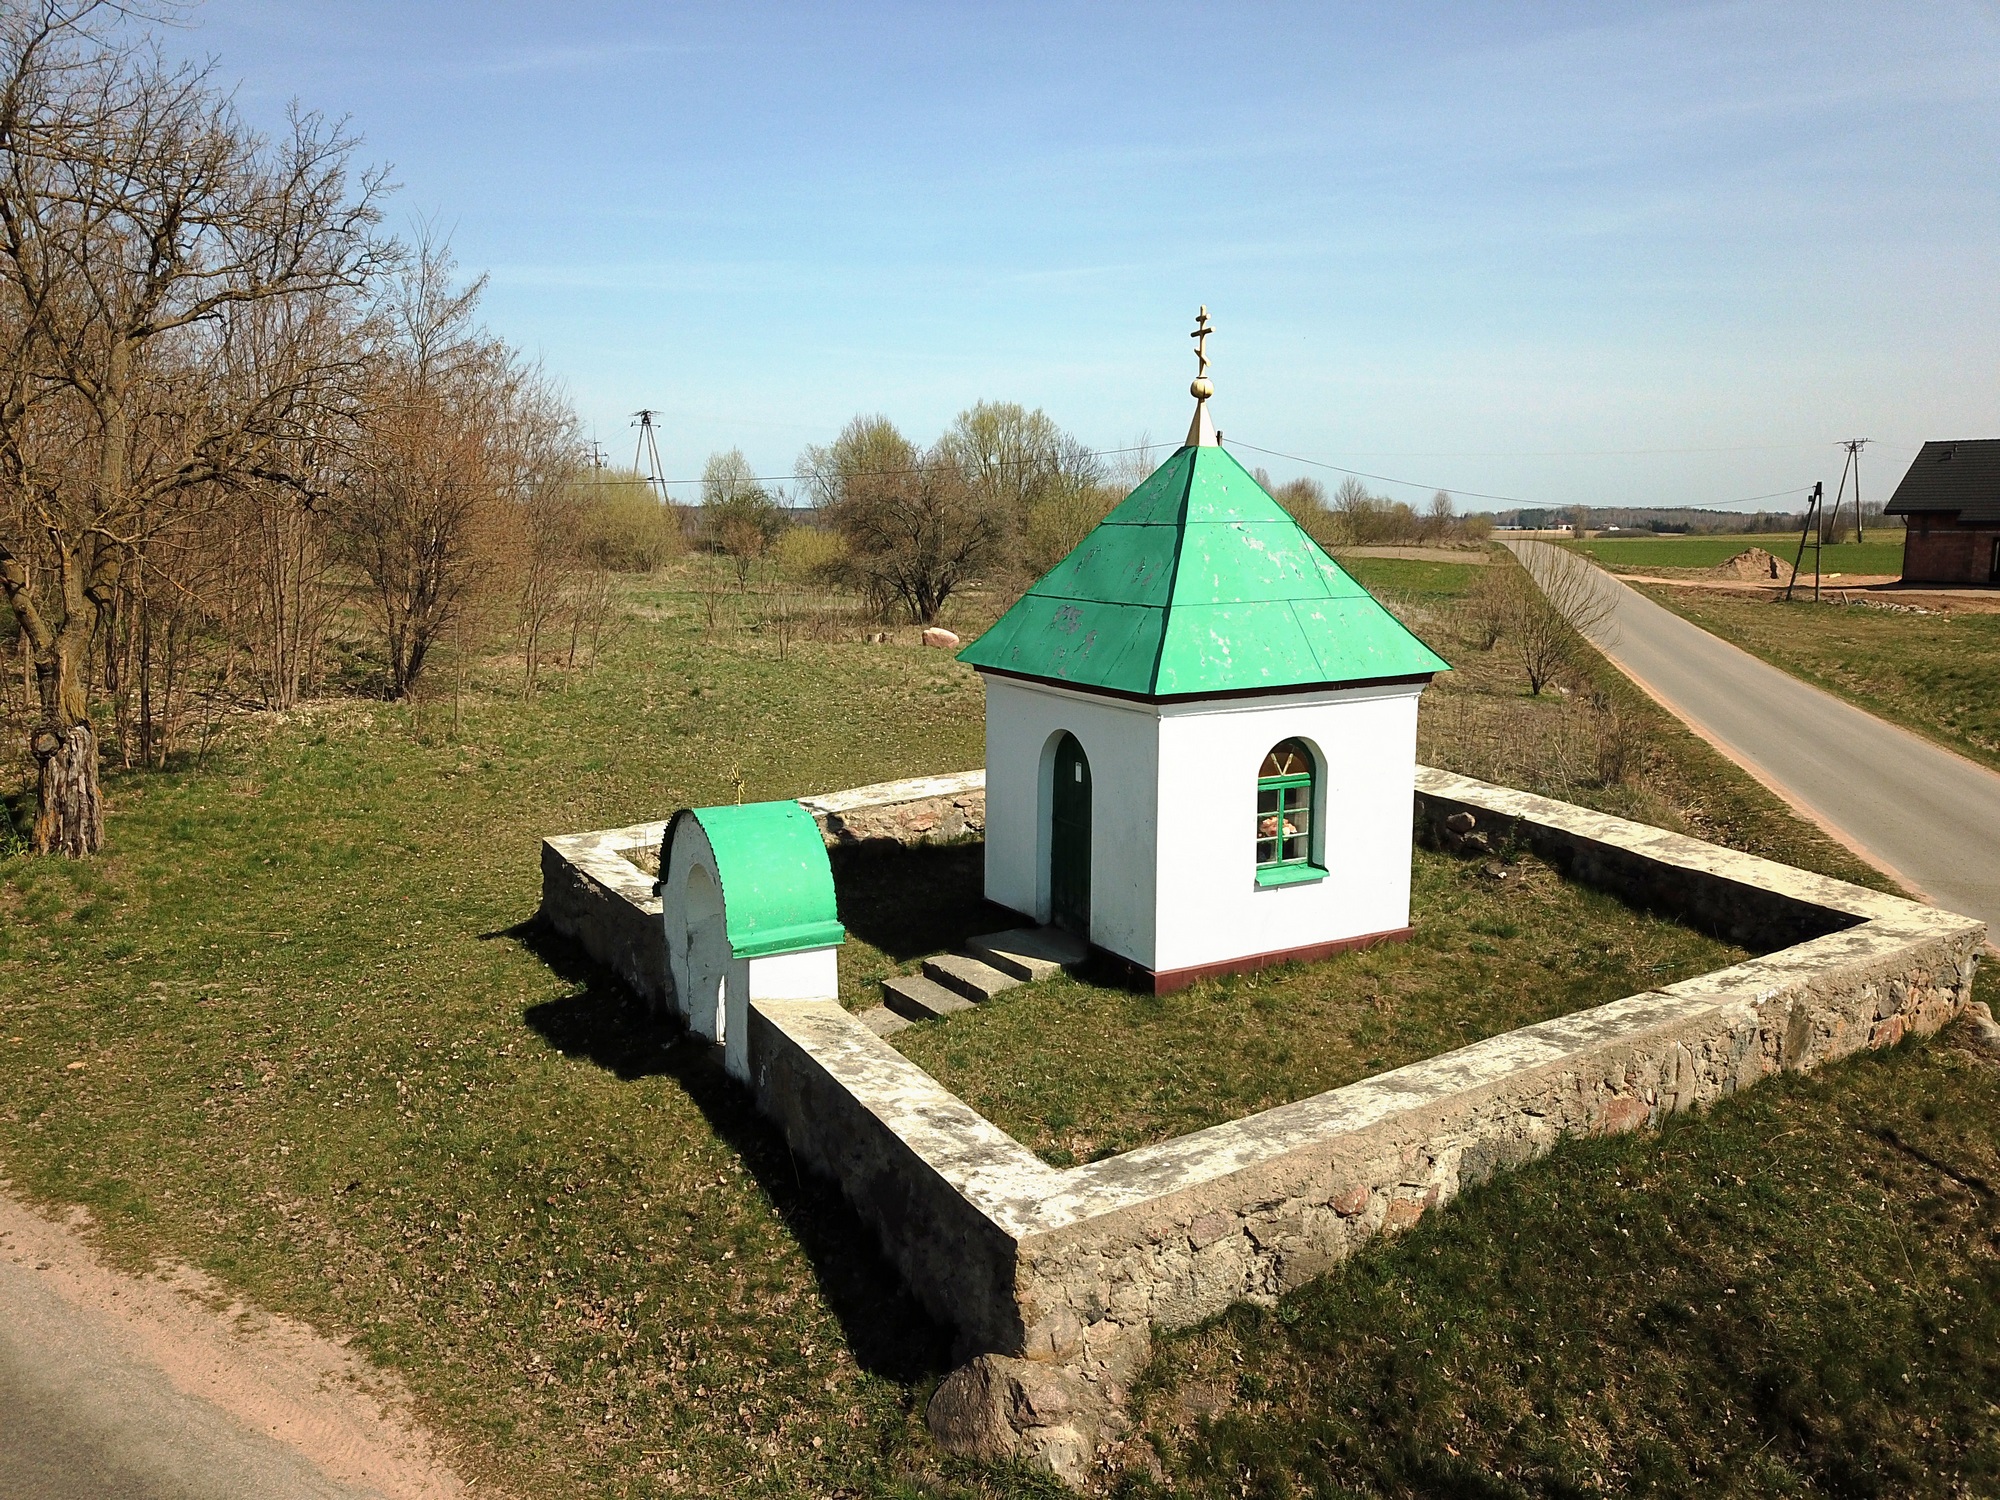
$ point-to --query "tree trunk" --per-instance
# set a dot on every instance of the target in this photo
(71, 820)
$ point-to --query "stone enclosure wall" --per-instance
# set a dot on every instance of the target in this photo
(1055, 1279)
(597, 888)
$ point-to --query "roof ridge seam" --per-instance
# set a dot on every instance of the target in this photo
(1174, 573)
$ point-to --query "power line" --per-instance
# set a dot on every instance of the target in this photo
(1468, 494)
(867, 473)
(1589, 452)
(655, 479)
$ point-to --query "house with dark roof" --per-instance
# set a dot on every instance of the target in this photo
(1950, 504)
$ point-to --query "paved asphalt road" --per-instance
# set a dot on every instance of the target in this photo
(83, 1418)
(1929, 817)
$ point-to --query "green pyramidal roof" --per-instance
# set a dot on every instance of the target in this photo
(1199, 583)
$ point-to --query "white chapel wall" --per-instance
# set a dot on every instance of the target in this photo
(1120, 740)
(1211, 908)
(810, 974)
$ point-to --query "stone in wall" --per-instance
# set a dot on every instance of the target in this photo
(930, 820)
(923, 810)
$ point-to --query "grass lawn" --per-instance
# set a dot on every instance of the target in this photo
(1478, 720)
(1075, 1072)
(1881, 553)
(325, 1055)
(1938, 674)
(1797, 1293)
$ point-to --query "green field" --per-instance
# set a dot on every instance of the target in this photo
(1881, 553)
(1796, 1294)
(326, 1055)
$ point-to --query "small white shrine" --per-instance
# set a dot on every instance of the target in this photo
(1201, 733)
(746, 894)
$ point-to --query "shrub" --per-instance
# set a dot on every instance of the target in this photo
(811, 555)
(626, 528)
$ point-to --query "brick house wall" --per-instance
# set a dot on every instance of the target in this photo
(1939, 550)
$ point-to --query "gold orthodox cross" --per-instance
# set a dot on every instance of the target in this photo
(1200, 337)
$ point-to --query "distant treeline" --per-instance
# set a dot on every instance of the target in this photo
(1670, 520)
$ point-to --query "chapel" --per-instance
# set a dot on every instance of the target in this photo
(1201, 733)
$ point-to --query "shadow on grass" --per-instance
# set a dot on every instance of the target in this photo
(913, 902)
(603, 1023)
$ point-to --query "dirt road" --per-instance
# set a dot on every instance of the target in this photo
(139, 1388)
(1919, 812)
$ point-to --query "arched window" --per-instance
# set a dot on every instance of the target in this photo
(1285, 808)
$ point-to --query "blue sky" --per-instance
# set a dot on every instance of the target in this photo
(1570, 254)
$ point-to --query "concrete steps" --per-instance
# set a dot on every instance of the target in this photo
(969, 977)
(1030, 953)
(883, 1021)
(920, 999)
(952, 982)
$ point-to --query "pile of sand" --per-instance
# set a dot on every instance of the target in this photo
(1754, 565)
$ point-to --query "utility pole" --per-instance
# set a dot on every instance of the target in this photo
(1810, 529)
(1853, 447)
(647, 459)
(596, 455)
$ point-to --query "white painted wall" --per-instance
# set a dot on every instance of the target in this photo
(698, 957)
(810, 974)
(1120, 739)
(1211, 908)
(1173, 816)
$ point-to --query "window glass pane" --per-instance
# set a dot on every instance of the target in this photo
(1268, 825)
(1298, 810)
(1284, 805)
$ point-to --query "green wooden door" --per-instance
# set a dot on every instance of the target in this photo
(1069, 840)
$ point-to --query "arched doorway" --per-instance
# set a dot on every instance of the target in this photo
(707, 954)
(1069, 839)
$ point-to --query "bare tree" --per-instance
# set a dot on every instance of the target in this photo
(460, 445)
(1557, 602)
(1354, 507)
(1438, 518)
(739, 517)
(533, 457)
(1041, 488)
(137, 216)
(914, 527)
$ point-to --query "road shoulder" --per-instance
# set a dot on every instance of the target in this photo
(161, 1385)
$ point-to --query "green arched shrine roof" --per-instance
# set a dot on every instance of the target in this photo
(777, 884)
(1198, 583)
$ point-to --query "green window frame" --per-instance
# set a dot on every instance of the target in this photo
(1285, 806)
